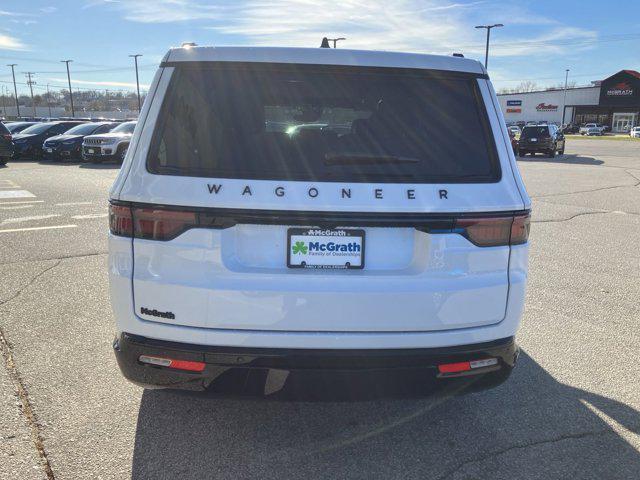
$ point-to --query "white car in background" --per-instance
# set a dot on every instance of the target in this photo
(634, 132)
(108, 146)
(515, 130)
(588, 129)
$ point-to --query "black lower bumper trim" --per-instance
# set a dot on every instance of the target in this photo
(220, 360)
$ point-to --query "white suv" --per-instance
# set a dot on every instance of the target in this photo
(283, 209)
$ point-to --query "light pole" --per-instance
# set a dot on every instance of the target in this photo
(73, 112)
(335, 40)
(15, 89)
(486, 52)
(30, 83)
(49, 100)
(135, 59)
(564, 101)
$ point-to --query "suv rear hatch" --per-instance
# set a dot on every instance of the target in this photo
(247, 159)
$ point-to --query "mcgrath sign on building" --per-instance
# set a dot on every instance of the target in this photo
(615, 102)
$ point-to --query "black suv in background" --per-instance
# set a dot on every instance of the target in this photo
(6, 145)
(541, 139)
(69, 144)
(28, 143)
(17, 127)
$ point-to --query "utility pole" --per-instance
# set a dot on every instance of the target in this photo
(49, 100)
(31, 83)
(335, 40)
(15, 89)
(73, 112)
(486, 52)
(135, 59)
(564, 102)
(4, 106)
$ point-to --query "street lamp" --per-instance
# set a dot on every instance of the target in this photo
(15, 89)
(335, 40)
(73, 112)
(564, 101)
(486, 53)
(135, 59)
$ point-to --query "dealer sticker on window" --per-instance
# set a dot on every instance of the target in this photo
(325, 248)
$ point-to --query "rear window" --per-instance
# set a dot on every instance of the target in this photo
(301, 122)
(534, 132)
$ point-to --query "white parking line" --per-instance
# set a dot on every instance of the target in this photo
(90, 215)
(26, 201)
(16, 194)
(52, 227)
(17, 207)
(27, 219)
(70, 204)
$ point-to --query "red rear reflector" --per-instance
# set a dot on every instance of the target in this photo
(161, 224)
(454, 367)
(171, 363)
(120, 220)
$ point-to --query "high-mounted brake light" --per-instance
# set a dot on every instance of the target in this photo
(495, 231)
(188, 365)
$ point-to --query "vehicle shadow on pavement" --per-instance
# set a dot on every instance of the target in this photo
(100, 166)
(530, 427)
(570, 158)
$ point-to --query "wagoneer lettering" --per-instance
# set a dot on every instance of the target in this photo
(314, 208)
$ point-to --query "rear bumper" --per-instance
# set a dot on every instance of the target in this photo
(221, 360)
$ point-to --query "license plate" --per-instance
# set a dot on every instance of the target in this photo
(49, 150)
(325, 248)
(534, 139)
(90, 150)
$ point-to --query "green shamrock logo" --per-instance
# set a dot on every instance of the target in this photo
(300, 248)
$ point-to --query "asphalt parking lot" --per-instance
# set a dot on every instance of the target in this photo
(570, 410)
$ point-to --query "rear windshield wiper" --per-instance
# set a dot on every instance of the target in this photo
(365, 159)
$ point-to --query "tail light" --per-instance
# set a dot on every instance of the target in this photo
(120, 220)
(152, 224)
(161, 224)
(495, 231)
(7, 137)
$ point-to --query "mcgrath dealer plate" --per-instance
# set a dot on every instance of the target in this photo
(330, 248)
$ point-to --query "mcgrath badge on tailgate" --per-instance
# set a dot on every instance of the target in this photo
(325, 248)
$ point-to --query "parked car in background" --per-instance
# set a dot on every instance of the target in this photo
(593, 132)
(514, 142)
(28, 143)
(514, 129)
(571, 128)
(108, 146)
(69, 144)
(541, 139)
(6, 145)
(634, 132)
(17, 127)
(587, 126)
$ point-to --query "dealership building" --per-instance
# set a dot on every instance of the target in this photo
(615, 101)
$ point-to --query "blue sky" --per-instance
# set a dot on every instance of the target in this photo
(593, 38)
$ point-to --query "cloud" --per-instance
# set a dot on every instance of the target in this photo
(433, 26)
(163, 11)
(101, 84)
(11, 43)
(49, 9)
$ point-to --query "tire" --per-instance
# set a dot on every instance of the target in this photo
(122, 152)
(551, 153)
(3, 162)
